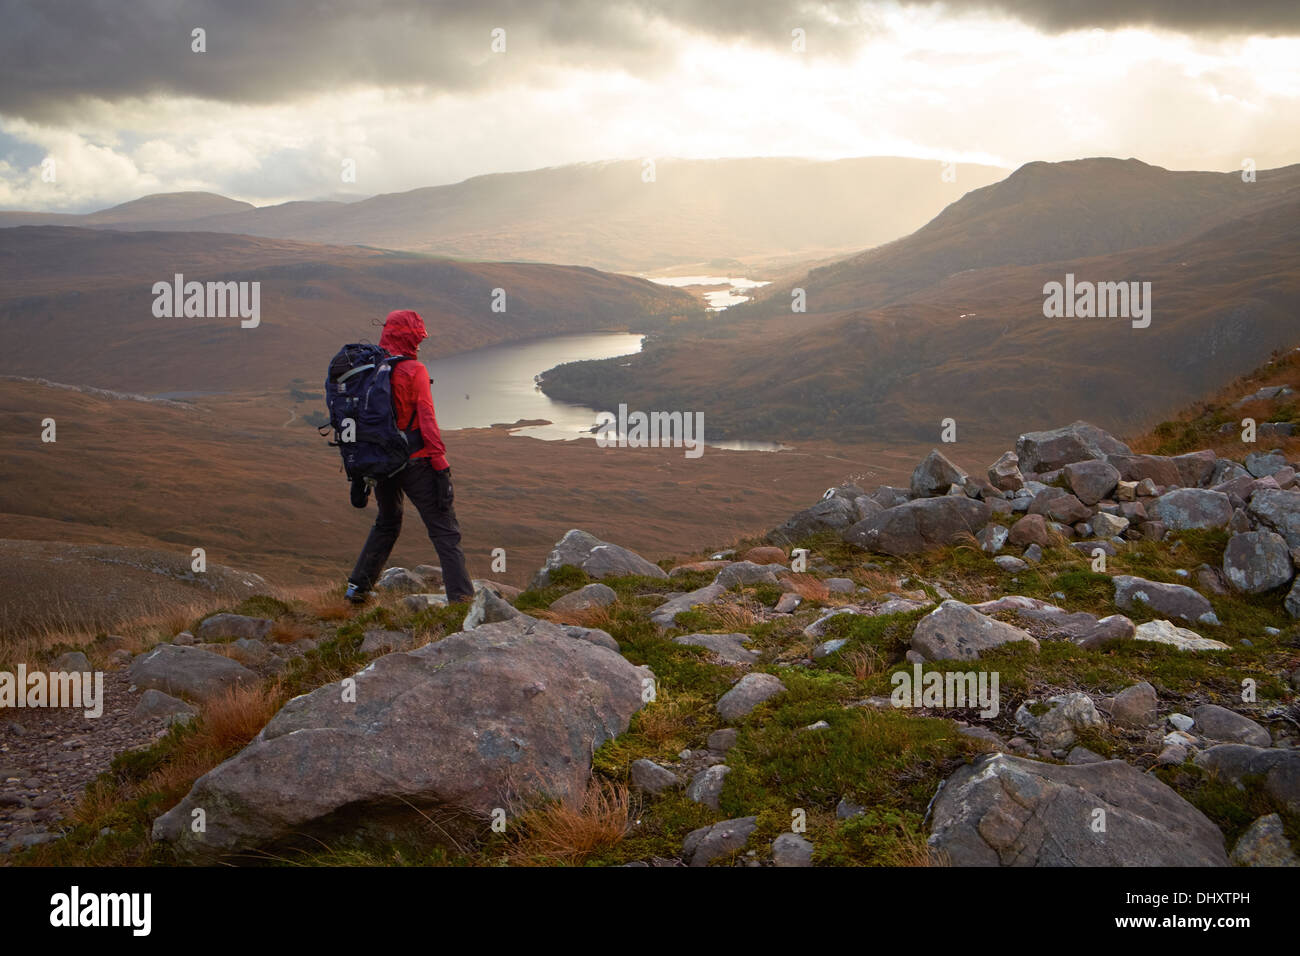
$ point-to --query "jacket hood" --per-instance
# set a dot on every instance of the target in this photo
(403, 332)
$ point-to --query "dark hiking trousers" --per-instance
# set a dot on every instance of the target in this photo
(432, 495)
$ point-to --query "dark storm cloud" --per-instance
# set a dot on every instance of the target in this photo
(54, 52)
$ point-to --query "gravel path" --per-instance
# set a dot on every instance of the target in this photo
(49, 755)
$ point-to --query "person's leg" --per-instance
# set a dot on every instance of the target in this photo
(383, 534)
(419, 483)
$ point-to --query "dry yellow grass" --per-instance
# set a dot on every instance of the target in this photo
(563, 834)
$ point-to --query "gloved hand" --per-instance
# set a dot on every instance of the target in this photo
(444, 493)
(360, 492)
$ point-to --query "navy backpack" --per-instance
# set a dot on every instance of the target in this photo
(359, 394)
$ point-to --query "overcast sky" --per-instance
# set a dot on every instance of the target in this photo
(413, 94)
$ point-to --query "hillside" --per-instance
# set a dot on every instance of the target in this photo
(1100, 611)
(697, 214)
(974, 345)
(77, 306)
(1043, 212)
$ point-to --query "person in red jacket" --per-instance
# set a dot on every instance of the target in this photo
(426, 479)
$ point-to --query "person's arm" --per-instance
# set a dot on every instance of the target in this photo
(428, 422)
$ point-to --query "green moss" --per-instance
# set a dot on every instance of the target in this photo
(882, 836)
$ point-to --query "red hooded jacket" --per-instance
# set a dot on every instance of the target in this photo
(412, 397)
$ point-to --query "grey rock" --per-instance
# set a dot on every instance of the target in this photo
(1091, 480)
(1004, 474)
(1257, 561)
(722, 740)
(586, 597)
(1219, 723)
(706, 786)
(748, 692)
(593, 634)
(746, 573)
(790, 849)
(1010, 563)
(1175, 601)
(935, 475)
(1279, 511)
(827, 648)
(921, 525)
(71, 661)
(956, 631)
(488, 608)
(156, 704)
(701, 847)
(377, 641)
(1056, 448)
(501, 716)
(188, 672)
(1135, 706)
(1236, 763)
(599, 559)
(1187, 508)
(829, 514)
(730, 647)
(1166, 632)
(400, 581)
(1068, 714)
(220, 627)
(788, 602)
(652, 778)
(1003, 810)
(1264, 844)
(665, 615)
(992, 538)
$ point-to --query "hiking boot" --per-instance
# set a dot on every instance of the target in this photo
(357, 595)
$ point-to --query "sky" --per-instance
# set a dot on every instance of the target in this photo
(103, 102)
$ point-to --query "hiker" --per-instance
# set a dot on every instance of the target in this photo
(426, 479)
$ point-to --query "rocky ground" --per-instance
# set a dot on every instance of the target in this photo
(1122, 626)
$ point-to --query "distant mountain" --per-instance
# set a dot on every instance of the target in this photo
(77, 306)
(695, 214)
(952, 324)
(1040, 213)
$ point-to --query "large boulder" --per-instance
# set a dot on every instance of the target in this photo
(1008, 811)
(189, 672)
(833, 513)
(747, 693)
(921, 525)
(1058, 447)
(935, 475)
(1059, 505)
(956, 631)
(1279, 510)
(1195, 468)
(1091, 480)
(599, 559)
(1159, 469)
(730, 647)
(1257, 561)
(1187, 508)
(1175, 601)
(1031, 529)
(499, 717)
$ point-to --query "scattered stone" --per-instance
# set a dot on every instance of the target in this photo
(747, 573)
(748, 692)
(188, 672)
(1175, 601)
(156, 704)
(710, 843)
(1279, 768)
(841, 585)
(1091, 480)
(399, 581)
(221, 627)
(935, 475)
(1219, 723)
(593, 635)
(1280, 511)
(827, 648)
(1181, 722)
(730, 647)
(586, 597)
(1108, 526)
(1031, 529)
(652, 778)
(1033, 554)
(1010, 563)
(488, 608)
(956, 631)
(1068, 714)
(788, 602)
(1166, 632)
(1058, 447)
(599, 559)
(1004, 474)
(790, 849)
(71, 661)
(722, 740)
(1135, 706)
(422, 602)
(1082, 755)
